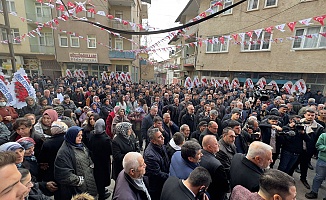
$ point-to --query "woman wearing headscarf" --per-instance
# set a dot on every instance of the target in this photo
(43, 126)
(17, 148)
(95, 108)
(73, 167)
(119, 117)
(50, 149)
(89, 127)
(123, 142)
(106, 108)
(30, 161)
(100, 147)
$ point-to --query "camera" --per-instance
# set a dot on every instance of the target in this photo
(289, 133)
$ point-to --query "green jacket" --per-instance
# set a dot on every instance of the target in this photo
(321, 146)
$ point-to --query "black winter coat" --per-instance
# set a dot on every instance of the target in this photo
(120, 147)
(100, 147)
(36, 110)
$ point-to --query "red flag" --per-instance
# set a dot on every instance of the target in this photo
(79, 9)
(71, 5)
(320, 19)
(124, 22)
(110, 16)
(269, 29)
(203, 14)
(56, 21)
(291, 25)
(235, 36)
(219, 3)
(323, 34)
(222, 40)
(61, 7)
(91, 10)
(64, 17)
(40, 1)
(249, 33)
(200, 43)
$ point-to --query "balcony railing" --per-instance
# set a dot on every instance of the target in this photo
(121, 26)
(121, 55)
(42, 49)
(190, 60)
(37, 18)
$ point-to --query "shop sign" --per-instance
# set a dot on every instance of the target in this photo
(83, 57)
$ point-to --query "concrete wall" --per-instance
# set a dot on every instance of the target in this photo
(280, 58)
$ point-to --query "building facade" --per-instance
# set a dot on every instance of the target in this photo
(280, 56)
(50, 48)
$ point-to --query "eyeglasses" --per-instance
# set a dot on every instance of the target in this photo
(29, 184)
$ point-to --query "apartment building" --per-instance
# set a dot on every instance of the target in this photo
(71, 44)
(275, 56)
(34, 50)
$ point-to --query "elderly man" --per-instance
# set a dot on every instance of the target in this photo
(273, 184)
(158, 163)
(169, 126)
(185, 161)
(211, 129)
(130, 182)
(193, 188)
(201, 127)
(252, 166)
(220, 184)
(31, 108)
(189, 118)
(10, 185)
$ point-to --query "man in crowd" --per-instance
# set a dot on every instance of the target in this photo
(130, 183)
(185, 161)
(212, 129)
(185, 130)
(220, 184)
(252, 166)
(273, 184)
(169, 126)
(148, 122)
(189, 118)
(157, 162)
(193, 188)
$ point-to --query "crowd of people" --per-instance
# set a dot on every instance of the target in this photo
(159, 141)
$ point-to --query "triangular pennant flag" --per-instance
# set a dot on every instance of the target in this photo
(102, 13)
(269, 29)
(235, 36)
(320, 19)
(291, 25)
(58, 2)
(323, 34)
(249, 33)
(222, 40)
(219, 3)
(61, 7)
(306, 21)
(71, 5)
(258, 32)
(242, 36)
(203, 14)
(280, 27)
(91, 10)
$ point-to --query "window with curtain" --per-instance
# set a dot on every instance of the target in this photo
(257, 44)
(42, 10)
(74, 41)
(46, 39)
(91, 41)
(10, 5)
(309, 38)
(217, 46)
(253, 5)
(270, 3)
(228, 3)
(118, 44)
(63, 40)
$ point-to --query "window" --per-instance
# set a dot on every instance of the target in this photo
(42, 11)
(118, 44)
(46, 39)
(121, 68)
(91, 41)
(228, 3)
(257, 44)
(89, 14)
(14, 33)
(216, 46)
(215, 9)
(118, 14)
(253, 5)
(10, 5)
(309, 38)
(74, 41)
(63, 40)
(270, 3)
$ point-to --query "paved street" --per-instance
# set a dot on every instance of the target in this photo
(301, 190)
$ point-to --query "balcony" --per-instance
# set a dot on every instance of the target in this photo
(120, 26)
(42, 49)
(121, 2)
(189, 61)
(118, 55)
(192, 30)
(36, 18)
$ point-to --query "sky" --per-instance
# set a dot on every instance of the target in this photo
(162, 14)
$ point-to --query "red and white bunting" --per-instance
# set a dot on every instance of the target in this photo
(249, 83)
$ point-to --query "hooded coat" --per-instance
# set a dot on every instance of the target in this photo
(100, 147)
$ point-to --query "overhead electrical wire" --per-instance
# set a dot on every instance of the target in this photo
(164, 30)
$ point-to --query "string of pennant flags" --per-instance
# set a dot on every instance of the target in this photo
(289, 87)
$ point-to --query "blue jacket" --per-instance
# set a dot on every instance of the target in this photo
(180, 167)
(174, 128)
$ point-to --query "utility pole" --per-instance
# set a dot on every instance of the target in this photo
(9, 35)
